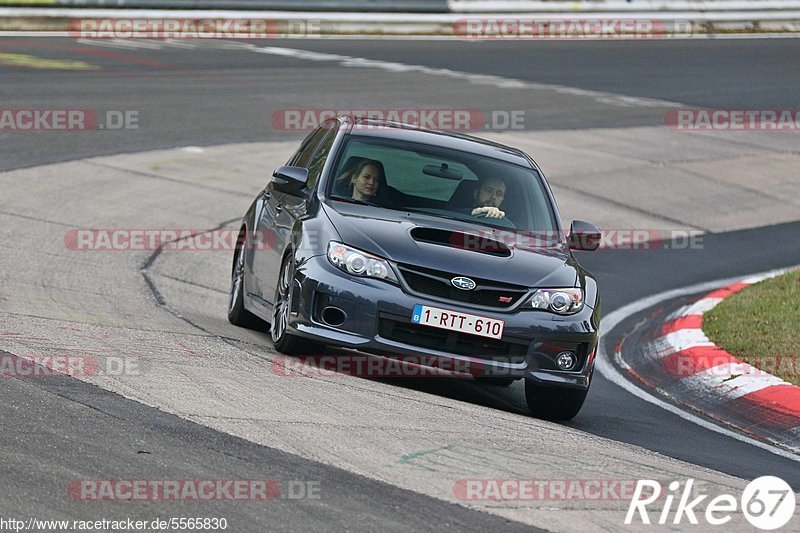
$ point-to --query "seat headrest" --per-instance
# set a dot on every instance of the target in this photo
(464, 195)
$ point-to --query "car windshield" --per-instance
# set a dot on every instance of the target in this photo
(441, 182)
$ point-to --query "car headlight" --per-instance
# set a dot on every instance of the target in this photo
(560, 301)
(359, 263)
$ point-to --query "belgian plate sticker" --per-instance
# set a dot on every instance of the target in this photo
(482, 326)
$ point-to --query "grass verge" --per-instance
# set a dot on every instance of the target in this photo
(761, 325)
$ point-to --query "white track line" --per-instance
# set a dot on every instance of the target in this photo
(477, 79)
(122, 43)
(700, 307)
(612, 373)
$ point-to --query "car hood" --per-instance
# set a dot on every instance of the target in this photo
(414, 239)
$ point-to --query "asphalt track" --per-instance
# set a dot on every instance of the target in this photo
(64, 428)
(214, 93)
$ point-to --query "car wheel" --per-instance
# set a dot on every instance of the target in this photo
(237, 314)
(553, 403)
(282, 304)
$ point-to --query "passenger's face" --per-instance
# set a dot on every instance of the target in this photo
(367, 182)
(491, 193)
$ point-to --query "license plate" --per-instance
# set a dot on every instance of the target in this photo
(455, 321)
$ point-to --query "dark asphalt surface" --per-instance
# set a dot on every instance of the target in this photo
(703, 73)
(65, 429)
(209, 95)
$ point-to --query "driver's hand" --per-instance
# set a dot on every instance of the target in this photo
(489, 212)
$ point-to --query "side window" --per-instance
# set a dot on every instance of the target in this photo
(309, 147)
(318, 160)
(300, 159)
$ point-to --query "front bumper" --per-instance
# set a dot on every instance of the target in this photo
(378, 321)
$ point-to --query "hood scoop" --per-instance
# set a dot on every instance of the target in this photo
(460, 240)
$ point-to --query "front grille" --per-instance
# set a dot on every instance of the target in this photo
(427, 285)
(394, 328)
(437, 283)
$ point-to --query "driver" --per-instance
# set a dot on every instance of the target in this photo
(364, 179)
(488, 196)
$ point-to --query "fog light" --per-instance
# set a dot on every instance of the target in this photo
(566, 360)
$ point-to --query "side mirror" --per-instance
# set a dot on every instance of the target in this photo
(583, 236)
(290, 180)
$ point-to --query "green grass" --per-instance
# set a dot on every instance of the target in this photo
(761, 325)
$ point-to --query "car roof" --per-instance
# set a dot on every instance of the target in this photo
(386, 129)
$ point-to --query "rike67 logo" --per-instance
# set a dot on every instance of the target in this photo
(767, 503)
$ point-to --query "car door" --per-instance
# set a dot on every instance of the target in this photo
(279, 212)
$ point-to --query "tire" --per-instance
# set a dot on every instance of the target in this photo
(237, 314)
(553, 403)
(497, 382)
(282, 303)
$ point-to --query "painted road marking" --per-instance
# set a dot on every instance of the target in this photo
(120, 43)
(697, 308)
(28, 61)
(476, 79)
(732, 380)
(612, 371)
(677, 341)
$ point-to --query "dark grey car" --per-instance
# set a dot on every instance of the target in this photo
(372, 238)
